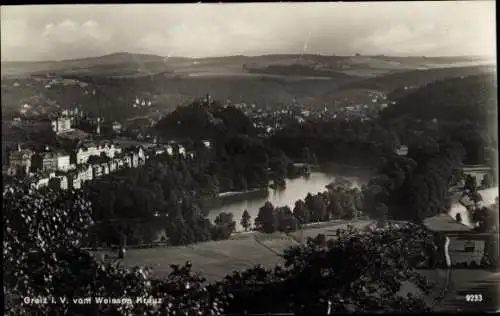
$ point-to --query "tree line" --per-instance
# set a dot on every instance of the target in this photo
(414, 187)
(341, 201)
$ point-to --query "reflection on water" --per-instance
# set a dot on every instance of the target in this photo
(296, 189)
(488, 195)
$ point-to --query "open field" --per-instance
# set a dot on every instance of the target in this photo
(215, 259)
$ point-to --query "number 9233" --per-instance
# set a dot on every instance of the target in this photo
(474, 298)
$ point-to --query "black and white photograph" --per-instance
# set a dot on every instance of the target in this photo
(279, 158)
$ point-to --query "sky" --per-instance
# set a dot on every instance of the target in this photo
(56, 32)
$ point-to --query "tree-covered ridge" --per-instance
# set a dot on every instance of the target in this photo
(203, 119)
(472, 98)
(43, 231)
(351, 142)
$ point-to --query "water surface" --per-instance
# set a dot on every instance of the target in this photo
(296, 189)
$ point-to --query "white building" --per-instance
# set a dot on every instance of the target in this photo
(182, 150)
(402, 150)
(63, 162)
(83, 154)
(170, 150)
(117, 127)
(61, 124)
(207, 144)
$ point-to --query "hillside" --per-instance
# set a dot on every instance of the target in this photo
(124, 64)
(109, 85)
(416, 78)
(201, 120)
(471, 97)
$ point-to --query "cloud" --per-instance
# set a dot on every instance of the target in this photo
(71, 32)
(198, 30)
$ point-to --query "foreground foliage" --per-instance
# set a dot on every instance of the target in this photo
(43, 231)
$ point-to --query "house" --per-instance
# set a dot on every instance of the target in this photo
(63, 162)
(59, 182)
(77, 177)
(41, 182)
(85, 173)
(21, 160)
(97, 171)
(113, 165)
(141, 153)
(45, 161)
(117, 127)
(402, 150)
(105, 168)
(82, 155)
(61, 124)
(8, 171)
(127, 161)
(207, 144)
(169, 149)
(134, 160)
(182, 150)
(74, 181)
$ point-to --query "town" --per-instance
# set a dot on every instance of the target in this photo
(250, 159)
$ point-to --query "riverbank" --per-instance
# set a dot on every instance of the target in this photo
(225, 198)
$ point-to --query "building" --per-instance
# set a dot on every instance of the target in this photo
(41, 182)
(45, 161)
(402, 150)
(97, 171)
(63, 162)
(117, 127)
(182, 150)
(169, 149)
(43, 179)
(207, 144)
(74, 181)
(80, 175)
(82, 155)
(61, 124)
(59, 182)
(21, 160)
(8, 171)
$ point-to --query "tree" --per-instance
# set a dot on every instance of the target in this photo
(317, 205)
(301, 212)
(225, 225)
(43, 233)
(357, 272)
(470, 183)
(246, 220)
(335, 208)
(286, 222)
(266, 220)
